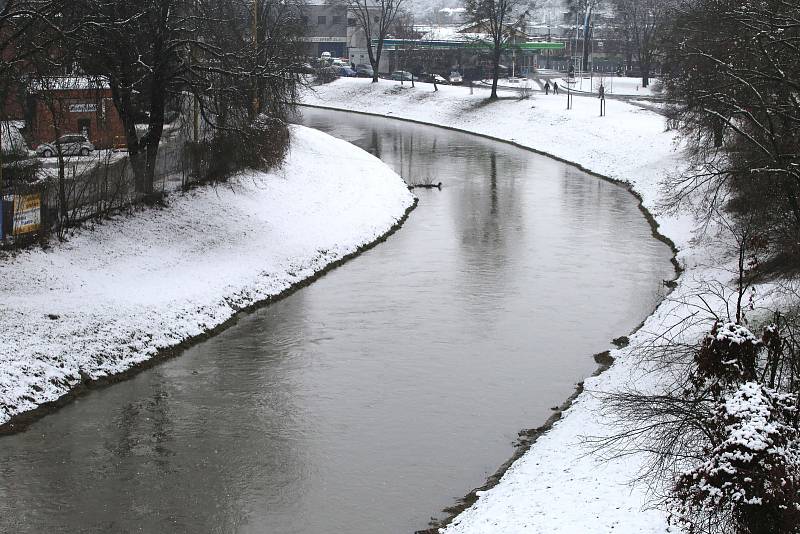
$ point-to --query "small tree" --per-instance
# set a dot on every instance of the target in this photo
(375, 18)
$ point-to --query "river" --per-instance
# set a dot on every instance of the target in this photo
(372, 399)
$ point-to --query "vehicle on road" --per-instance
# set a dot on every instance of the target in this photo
(455, 78)
(402, 75)
(365, 71)
(68, 145)
(346, 72)
(433, 78)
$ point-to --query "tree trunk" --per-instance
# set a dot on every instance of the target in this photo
(587, 43)
(645, 68)
(374, 59)
(496, 71)
(153, 139)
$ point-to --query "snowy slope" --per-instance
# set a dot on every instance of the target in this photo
(115, 296)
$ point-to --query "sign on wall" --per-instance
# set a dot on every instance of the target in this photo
(83, 108)
(27, 214)
(324, 39)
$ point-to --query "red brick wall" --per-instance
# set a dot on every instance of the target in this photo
(73, 109)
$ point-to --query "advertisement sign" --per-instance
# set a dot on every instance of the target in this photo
(27, 214)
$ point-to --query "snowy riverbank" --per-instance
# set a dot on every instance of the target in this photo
(557, 486)
(123, 292)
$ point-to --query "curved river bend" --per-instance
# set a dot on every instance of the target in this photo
(370, 400)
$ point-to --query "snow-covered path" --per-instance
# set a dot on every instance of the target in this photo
(557, 487)
(116, 295)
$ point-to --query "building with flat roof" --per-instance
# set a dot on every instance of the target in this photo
(326, 29)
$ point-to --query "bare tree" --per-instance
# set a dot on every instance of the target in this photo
(239, 55)
(643, 23)
(731, 75)
(375, 18)
(497, 18)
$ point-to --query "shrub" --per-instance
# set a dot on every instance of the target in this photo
(750, 481)
(262, 145)
(327, 75)
(727, 357)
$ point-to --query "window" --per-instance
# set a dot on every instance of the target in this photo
(337, 19)
(351, 22)
(305, 19)
(376, 20)
(322, 20)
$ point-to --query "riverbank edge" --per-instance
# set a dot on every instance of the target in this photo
(528, 437)
(22, 421)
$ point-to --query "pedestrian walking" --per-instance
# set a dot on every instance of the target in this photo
(555, 88)
(547, 87)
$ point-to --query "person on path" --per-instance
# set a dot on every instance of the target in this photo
(547, 87)
(555, 88)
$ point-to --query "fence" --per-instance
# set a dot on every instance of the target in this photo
(72, 190)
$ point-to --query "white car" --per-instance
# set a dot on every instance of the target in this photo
(68, 145)
(455, 78)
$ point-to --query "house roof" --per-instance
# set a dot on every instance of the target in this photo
(69, 83)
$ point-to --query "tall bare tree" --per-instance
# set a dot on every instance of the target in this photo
(155, 52)
(731, 75)
(643, 23)
(375, 18)
(496, 18)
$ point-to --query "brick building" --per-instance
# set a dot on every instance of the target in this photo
(59, 106)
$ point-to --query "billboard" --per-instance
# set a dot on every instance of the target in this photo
(27, 214)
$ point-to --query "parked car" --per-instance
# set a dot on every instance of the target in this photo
(401, 75)
(433, 78)
(365, 71)
(455, 78)
(69, 145)
(346, 72)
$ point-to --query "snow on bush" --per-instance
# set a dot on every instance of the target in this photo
(727, 357)
(750, 480)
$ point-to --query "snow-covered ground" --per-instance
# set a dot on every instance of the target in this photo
(614, 85)
(115, 295)
(558, 487)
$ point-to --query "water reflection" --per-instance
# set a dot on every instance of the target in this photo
(368, 401)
